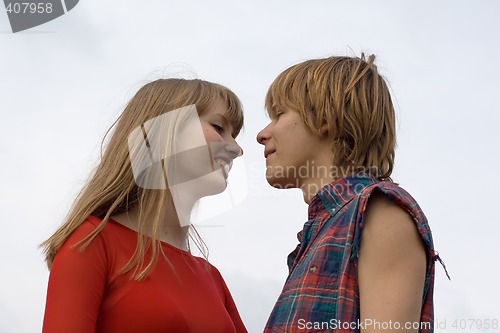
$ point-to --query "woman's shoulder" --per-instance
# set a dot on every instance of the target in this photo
(83, 231)
(83, 246)
(206, 264)
(109, 233)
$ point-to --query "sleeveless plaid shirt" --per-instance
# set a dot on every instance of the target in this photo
(321, 293)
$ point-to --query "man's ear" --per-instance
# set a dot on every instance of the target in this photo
(323, 129)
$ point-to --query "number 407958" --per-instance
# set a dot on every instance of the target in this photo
(29, 7)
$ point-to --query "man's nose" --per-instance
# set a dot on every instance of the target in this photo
(263, 135)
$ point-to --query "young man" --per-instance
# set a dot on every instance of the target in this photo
(365, 261)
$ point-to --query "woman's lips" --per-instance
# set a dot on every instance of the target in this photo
(225, 166)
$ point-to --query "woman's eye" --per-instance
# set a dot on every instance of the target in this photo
(218, 128)
(278, 114)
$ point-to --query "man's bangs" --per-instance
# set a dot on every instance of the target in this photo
(285, 92)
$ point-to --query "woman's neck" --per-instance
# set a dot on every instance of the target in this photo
(172, 232)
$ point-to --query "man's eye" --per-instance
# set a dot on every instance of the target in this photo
(218, 128)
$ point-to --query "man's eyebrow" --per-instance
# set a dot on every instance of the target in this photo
(274, 111)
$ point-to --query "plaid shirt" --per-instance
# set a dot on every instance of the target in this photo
(322, 286)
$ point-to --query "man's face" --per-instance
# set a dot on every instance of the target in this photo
(292, 151)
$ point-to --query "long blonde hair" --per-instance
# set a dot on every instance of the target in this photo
(353, 99)
(112, 189)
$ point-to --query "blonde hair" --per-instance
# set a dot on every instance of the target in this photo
(112, 189)
(350, 96)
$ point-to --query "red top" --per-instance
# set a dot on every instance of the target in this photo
(86, 293)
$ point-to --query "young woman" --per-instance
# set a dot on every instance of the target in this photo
(121, 262)
(365, 261)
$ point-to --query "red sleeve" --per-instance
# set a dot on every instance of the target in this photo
(230, 305)
(76, 285)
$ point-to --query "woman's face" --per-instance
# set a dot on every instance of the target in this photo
(206, 149)
(217, 129)
(201, 151)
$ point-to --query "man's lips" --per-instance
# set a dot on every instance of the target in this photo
(268, 152)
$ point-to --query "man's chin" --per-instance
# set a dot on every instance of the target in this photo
(281, 184)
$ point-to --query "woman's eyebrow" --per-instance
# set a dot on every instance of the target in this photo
(224, 118)
(227, 122)
(220, 115)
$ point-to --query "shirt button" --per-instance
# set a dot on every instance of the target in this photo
(312, 269)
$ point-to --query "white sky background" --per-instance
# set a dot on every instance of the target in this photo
(62, 84)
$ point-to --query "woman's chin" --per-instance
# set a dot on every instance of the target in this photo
(213, 183)
(206, 185)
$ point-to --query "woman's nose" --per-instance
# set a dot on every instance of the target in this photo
(233, 149)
